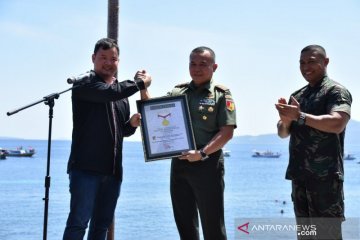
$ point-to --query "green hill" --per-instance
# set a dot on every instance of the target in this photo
(352, 137)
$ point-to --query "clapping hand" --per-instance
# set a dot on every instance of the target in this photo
(288, 112)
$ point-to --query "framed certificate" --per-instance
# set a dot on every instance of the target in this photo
(166, 127)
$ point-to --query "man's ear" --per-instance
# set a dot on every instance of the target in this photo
(327, 61)
(93, 58)
(215, 67)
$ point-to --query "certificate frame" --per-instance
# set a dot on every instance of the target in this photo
(166, 128)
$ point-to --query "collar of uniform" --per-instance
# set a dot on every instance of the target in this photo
(320, 83)
(206, 86)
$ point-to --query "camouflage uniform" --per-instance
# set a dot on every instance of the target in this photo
(316, 157)
(199, 186)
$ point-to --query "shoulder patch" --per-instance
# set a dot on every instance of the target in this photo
(221, 88)
(182, 85)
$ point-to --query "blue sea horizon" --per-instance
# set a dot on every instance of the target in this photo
(255, 189)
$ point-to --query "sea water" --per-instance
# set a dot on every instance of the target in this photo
(255, 188)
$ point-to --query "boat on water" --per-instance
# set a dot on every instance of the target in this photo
(266, 154)
(19, 152)
(349, 156)
(2, 154)
(226, 153)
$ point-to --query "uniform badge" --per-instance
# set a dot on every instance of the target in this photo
(204, 117)
(201, 108)
(207, 101)
(230, 105)
(210, 109)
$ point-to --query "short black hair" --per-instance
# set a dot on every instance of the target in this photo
(106, 43)
(203, 49)
(315, 47)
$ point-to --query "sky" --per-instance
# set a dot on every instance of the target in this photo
(257, 44)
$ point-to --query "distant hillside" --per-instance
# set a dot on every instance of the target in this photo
(352, 136)
(9, 138)
(260, 139)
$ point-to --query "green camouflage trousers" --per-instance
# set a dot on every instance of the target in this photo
(319, 203)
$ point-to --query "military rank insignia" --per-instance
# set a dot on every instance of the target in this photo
(230, 105)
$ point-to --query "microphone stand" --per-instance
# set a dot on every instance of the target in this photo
(50, 101)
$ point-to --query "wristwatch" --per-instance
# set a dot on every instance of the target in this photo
(302, 119)
(204, 156)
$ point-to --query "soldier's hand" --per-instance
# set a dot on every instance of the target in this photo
(287, 112)
(191, 156)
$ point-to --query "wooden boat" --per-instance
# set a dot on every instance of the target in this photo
(266, 154)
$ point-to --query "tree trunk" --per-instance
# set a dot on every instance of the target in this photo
(112, 32)
(113, 19)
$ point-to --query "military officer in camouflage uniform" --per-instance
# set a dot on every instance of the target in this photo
(197, 183)
(315, 118)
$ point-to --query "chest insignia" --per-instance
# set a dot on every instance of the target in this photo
(207, 101)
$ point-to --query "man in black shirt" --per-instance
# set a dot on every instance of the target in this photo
(101, 118)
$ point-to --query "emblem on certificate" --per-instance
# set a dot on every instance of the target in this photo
(165, 122)
(166, 128)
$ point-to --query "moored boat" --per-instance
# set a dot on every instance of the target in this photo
(226, 153)
(19, 152)
(266, 154)
(2, 154)
(349, 156)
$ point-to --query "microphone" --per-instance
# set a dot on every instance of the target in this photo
(82, 78)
